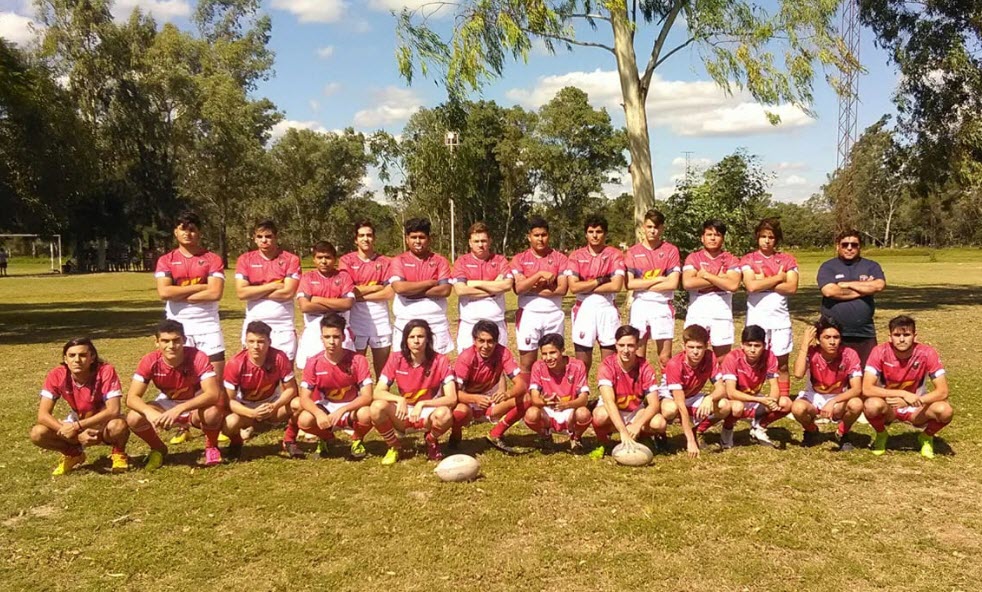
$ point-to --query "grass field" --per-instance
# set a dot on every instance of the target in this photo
(749, 519)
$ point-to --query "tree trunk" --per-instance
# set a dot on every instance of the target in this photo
(635, 117)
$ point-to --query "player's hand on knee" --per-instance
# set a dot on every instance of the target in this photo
(705, 410)
(417, 411)
(69, 430)
(88, 437)
(401, 408)
(485, 402)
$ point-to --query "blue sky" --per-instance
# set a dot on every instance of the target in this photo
(335, 68)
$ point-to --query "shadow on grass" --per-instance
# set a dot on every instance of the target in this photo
(48, 322)
(807, 302)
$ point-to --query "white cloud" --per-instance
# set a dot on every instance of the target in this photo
(679, 163)
(164, 10)
(791, 166)
(793, 181)
(17, 29)
(314, 11)
(697, 108)
(331, 88)
(430, 8)
(325, 52)
(314, 105)
(393, 104)
(280, 129)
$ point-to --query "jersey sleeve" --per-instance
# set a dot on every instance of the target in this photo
(442, 369)
(673, 263)
(293, 267)
(396, 271)
(459, 271)
(579, 381)
(359, 369)
(850, 361)
(202, 366)
(732, 263)
(874, 363)
(509, 365)
(572, 268)
(673, 375)
(109, 380)
(934, 366)
(52, 384)
(347, 285)
(826, 274)
(309, 378)
(388, 374)
(304, 289)
(144, 369)
(216, 268)
(647, 378)
(442, 270)
(691, 262)
(605, 376)
(771, 365)
(515, 267)
(163, 267)
(617, 266)
(284, 367)
(231, 373)
(728, 370)
(385, 267)
(462, 366)
(535, 376)
(876, 271)
(242, 267)
(790, 263)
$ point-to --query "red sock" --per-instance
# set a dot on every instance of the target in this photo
(602, 432)
(841, 430)
(511, 418)
(771, 417)
(323, 434)
(149, 435)
(118, 450)
(361, 430)
(580, 428)
(388, 433)
(539, 427)
(810, 426)
(933, 427)
(74, 451)
(211, 436)
(704, 425)
(730, 421)
(784, 387)
(877, 422)
(459, 421)
(291, 431)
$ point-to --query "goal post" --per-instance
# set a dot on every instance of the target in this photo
(28, 253)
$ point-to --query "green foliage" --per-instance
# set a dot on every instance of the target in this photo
(733, 190)
(807, 225)
(344, 215)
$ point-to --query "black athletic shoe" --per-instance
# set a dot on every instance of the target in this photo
(234, 451)
(293, 450)
(500, 445)
(661, 444)
(453, 443)
(811, 439)
(845, 445)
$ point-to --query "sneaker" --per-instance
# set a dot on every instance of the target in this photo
(433, 450)
(598, 452)
(454, 442)
(500, 445)
(67, 464)
(293, 450)
(182, 436)
(234, 451)
(661, 444)
(154, 460)
(391, 457)
(880, 443)
(247, 433)
(213, 456)
(759, 435)
(576, 446)
(121, 462)
(223, 439)
(810, 439)
(844, 444)
(726, 438)
(927, 445)
(323, 448)
(357, 450)
(544, 440)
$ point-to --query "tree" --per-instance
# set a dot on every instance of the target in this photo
(733, 190)
(572, 151)
(736, 40)
(807, 225)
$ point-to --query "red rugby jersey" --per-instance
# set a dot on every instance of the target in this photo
(680, 376)
(565, 387)
(479, 375)
(178, 383)
(256, 383)
(749, 379)
(831, 377)
(417, 383)
(909, 375)
(630, 388)
(336, 383)
(84, 399)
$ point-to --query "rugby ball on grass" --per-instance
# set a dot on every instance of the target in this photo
(636, 455)
(458, 467)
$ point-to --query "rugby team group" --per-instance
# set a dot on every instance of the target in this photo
(345, 306)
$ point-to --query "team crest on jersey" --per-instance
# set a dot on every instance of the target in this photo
(528, 341)
(916, 365)
(337, 282)
(201, 262)
(582, 334)
(281, 263)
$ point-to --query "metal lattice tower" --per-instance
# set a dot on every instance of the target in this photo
(849, 103)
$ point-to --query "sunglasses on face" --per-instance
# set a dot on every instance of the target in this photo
(849, 245)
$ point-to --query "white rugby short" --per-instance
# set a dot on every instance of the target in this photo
(209, 343)
(253, 404)
(819, 400)
(311, 344)
(720, 330)
(779, 341)
(373, 334)
(654, 319)
(284, 340)
(595, 323)
(531, 325)
(465, 339)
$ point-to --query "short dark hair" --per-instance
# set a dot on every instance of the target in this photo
(538, 222)
(753, 333)
(714, 224)
(366, 223)
(259, 328)
(772, 224)
(485, 326)
(417, 225)
(478, 228)
(334, 321)
(625, 331)
(655, 216)
(186, 218)
(826, 322)
(554, 339)
(594, 220)
(695, 333)
(169, 326)
(902, 321)
(266, 224)
(847, 233)
(324, 247)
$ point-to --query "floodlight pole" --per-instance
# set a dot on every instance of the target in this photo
(452, 140)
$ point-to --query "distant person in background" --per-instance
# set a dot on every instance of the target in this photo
(848, 284)
(3, 262)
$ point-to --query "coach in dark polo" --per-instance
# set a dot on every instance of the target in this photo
(848, 283)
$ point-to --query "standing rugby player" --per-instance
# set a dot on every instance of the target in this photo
(540, 284)
(267, 280)
(895, 387)
(369, 316)
(421, 281)
(653, 272)
(480, 280)
(711, 275)
(322, 291)
(596, 275)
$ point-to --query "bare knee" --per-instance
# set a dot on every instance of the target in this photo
(943, 411)
(39, 432)
(802, 409)
(378, 408)
(658, 423)
(854, 406)
(582, 415)
(874, 407)
(533, 414)
(600, 416)
(442, 416)
(116, 428)
(135, 420)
